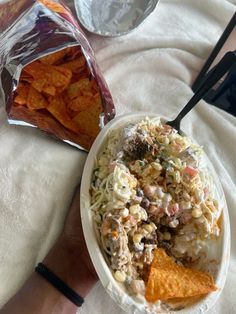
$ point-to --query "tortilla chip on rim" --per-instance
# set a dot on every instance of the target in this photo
(168, 280)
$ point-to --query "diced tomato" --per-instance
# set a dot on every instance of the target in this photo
(192, 172)
(131, 219)
(155, 210)
(206, 192)
(173, 209)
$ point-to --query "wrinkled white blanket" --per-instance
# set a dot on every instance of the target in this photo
(151, 69)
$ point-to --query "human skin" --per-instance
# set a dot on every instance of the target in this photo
(70, 261)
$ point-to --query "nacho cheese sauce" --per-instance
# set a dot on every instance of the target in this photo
(149, 190)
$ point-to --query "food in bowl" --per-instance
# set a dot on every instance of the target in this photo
(155, 211)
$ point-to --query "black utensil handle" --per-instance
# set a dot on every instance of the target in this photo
(221, 68)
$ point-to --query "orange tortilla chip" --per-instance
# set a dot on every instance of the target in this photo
(36, 69)
(168, 280)
(36, 100)
(74, 53)
(22, 94)
(20, 101)
(62, 77)
(75, 89)
(54, 57)
(95, 86)
(183, 302)
(50, 90)
(88, 120)
(26, 78)
(81, 103)
(82, 74)
(54, 75)
(57, 108)
(75, 65)
(39, 84)
(66, 72)
(88, 94)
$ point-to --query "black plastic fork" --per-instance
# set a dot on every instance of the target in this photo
(212, 78)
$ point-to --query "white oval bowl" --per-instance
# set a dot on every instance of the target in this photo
(221, 252)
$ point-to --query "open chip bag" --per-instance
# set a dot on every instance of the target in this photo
(49, 75)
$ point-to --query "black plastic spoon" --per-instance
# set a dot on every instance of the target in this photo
(212, 78)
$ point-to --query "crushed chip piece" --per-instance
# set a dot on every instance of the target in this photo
(36, 100)
(167, 280)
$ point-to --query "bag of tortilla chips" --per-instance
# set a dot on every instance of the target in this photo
(49, 76)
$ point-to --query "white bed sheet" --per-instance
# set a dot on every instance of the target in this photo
(151, 69)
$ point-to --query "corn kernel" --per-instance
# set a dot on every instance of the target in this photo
(174, 223)
(185, 205)
(166, 141)
(137, 238)
(196, 212)
(215, 202)
(156, 166)
(154, 227)
(124, 212)
(134, 209)
(139, 216)
(148, 228)
(120, 276)
(177, 177)
(166, 236)
(140, 265)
